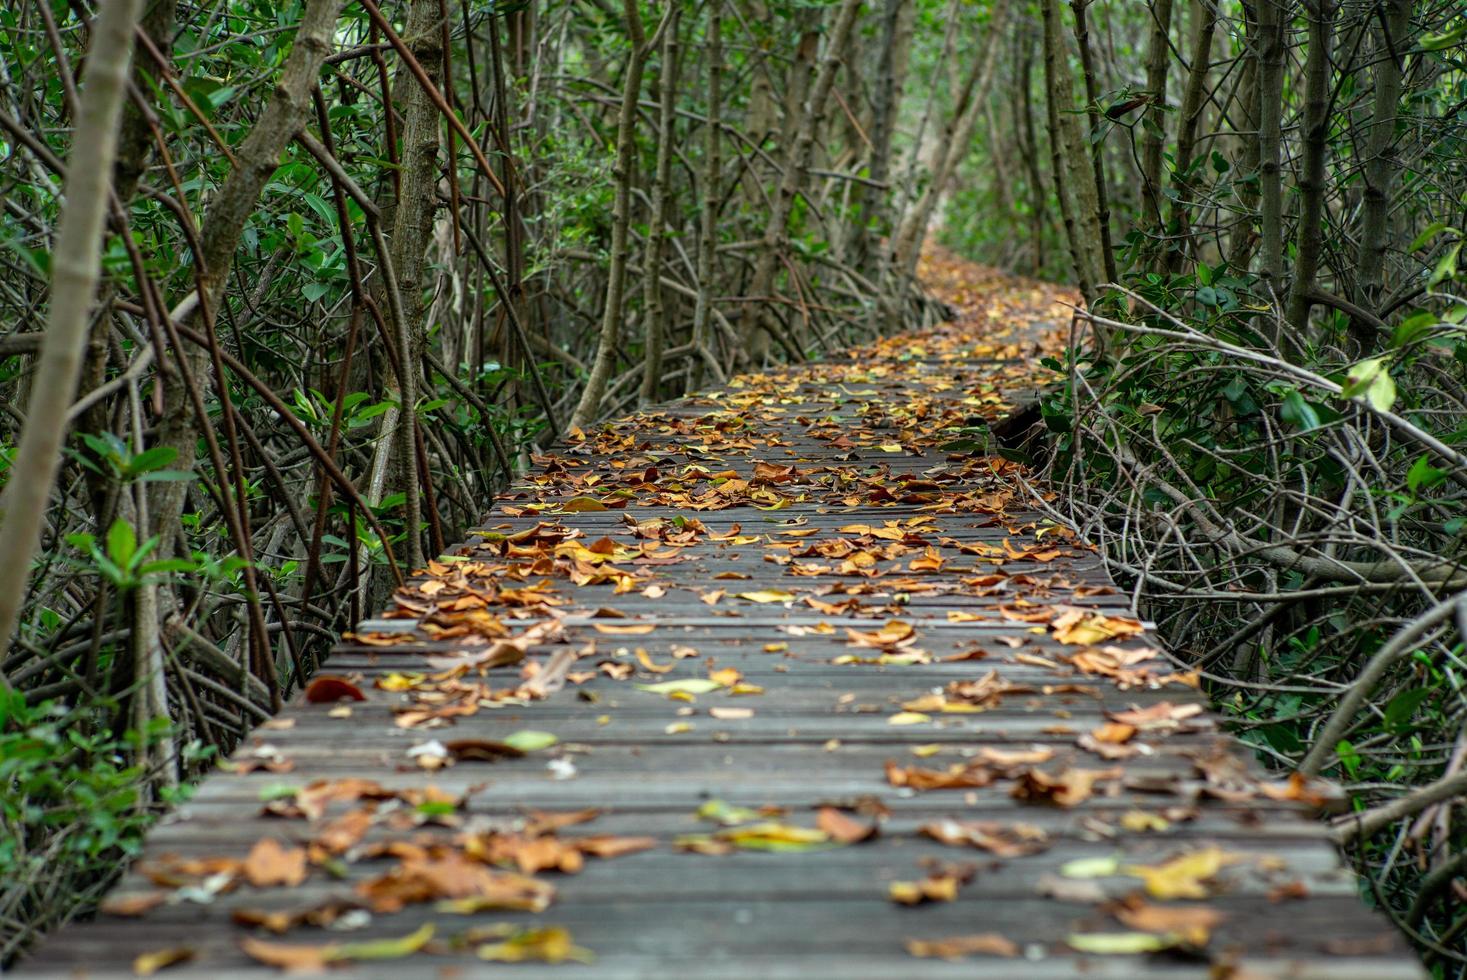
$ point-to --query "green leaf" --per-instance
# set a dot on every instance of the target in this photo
(1412, 328)
(530, 741)
(1446, 39)
(383, 949)
(151, 459)
(1402, 707)
(1371, 381)
(1423, 475)
(1427, 234)
(1094, 867)
(1446, 267)
(1299, 412)
(724, 812)
(122, 542)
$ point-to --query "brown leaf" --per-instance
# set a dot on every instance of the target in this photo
(957, 947)
(539, 822)
(605, 846)
(271, 864)
(940, 886)
(292, 957)
(325, 689)
(1004, 840)
(845, 829)
(131, 905)
(1192, 923)
(1162, 715)
(481, 750)
(1063, 789)
(453, 876)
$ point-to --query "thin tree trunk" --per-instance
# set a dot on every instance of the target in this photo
(412, 232)
(654, 313)
(891, 70)
(1070, 174)
(1242, 239)
(1273, 19)
(589, 406)
(1096, 146)
(1191, 113)
(1153, 131)
(1392, 41)
(1030, 144)
(796, 163)
(708, 208)
(1309, 238)
(75, 271)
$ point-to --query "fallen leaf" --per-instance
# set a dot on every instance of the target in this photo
(1184, 876)
(630, 629)
(957, 947)
(690, 685)
(545, 945)
(131, 905)
(1118, 943)
(325, 689)
(296, 957)
(844, 829)
(147, 964)
(768, 595)
(1192, 924)
(270, 864)
(530, 741)
(1005, 840)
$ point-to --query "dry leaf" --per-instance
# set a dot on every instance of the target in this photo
(957, 947)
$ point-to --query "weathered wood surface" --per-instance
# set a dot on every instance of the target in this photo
(820, 732)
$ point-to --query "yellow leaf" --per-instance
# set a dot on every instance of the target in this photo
(148, 964)
(768, 595)
(1184, 876)
(908, 718)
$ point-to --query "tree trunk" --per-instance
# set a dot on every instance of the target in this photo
(1030, 145)
(75, 271)
(1273, 19)
(589, 406)
(412, 231)
(1071, 176)
(1242, 238)
(1153, 131)
(1191, 113)
(796, 163)
(1309, 238)
(1096, 146)
(708, 206)
(1392, 33)
(891, 70)
(654, 313)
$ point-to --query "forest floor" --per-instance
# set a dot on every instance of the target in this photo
(773, 681)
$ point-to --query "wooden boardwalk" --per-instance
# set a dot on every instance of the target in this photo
(858, 633)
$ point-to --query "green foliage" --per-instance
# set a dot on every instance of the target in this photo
(73, 801)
